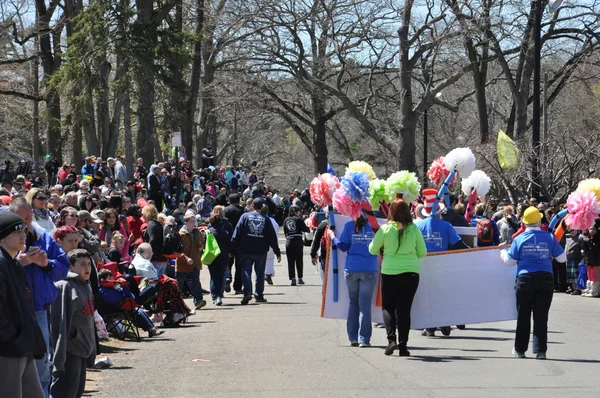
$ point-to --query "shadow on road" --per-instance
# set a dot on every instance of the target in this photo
(443, 359)
(107, 349)
(501, 330)
(483, 338)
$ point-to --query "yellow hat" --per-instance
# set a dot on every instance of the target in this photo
(532, 215)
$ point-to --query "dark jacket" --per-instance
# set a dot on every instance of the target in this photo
(20, 335)
(317, 240)
(154, 236)
(454, 218)
(223, 237)
(73, 330)
(591, 248)
(254, 234)
(573, 247)
(233, 213)
(293, 227)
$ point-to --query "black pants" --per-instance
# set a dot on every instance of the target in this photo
(397, 294)
(534, 293)
(237, 280)
(295, 251)
(560, 276)
(71, 382)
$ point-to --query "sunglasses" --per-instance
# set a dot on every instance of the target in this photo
(72, 215)
(41, 198)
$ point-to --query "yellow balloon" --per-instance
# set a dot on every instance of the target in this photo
(590, 185)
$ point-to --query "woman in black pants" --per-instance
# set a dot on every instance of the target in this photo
(403, 246)
(293, 227)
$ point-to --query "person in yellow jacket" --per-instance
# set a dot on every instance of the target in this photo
(189, 262)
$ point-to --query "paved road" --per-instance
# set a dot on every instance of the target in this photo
(283, 349)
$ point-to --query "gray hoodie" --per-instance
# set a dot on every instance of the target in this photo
(73, 330)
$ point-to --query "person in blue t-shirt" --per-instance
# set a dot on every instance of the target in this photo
(532, 252)
(360, 272)
(439, 236)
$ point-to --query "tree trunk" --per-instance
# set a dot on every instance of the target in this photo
(129, 161)
(103, 104)
(188, 130)
(35, 83)
(77, 144)
(320, 153)
(53, 132)
(408, 120)
(178, 87)
(89, 125)
(479, 79)
(115, 123)
(145, 76)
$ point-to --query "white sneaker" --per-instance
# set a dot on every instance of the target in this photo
(219, 301)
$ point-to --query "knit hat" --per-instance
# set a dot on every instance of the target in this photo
(9, 223)
(532, 215)
(429, 196)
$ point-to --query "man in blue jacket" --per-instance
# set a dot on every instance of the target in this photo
(88, 168)
(45, 262)
(253, 236)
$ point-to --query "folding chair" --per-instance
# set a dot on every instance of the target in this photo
(121, 321)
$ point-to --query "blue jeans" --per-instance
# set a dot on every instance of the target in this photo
(361, 286)
(196, 287)
(161, 268)
(259, 261)
(43, 365)
(218, 273)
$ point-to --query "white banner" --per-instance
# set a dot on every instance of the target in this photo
(458, 288)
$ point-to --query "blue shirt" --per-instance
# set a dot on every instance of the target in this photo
(439, 235)
(356, 244)
(533, 250)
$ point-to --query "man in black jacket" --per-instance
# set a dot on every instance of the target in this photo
(233, 213)
(21, 339)
(253, 236)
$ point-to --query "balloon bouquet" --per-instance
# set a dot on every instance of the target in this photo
(357, 193)
(583, 208)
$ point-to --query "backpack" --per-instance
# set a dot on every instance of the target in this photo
(485, 230)
(211, 248)
(171, 240)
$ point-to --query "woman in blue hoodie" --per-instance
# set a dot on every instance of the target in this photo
(360, 272)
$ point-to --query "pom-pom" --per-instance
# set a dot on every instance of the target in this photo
(405, 183)
(362, 167)
(460, 159)
(378, 193)
(355, 185)
(583, 210)
(438, 172)
(322, 189)
(590, 185)
(477, 181)
(346, 206)
(89, 178)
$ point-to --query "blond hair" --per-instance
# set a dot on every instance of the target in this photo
(219, 211)
(149, 213)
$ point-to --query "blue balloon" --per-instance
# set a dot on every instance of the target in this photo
(556, 219)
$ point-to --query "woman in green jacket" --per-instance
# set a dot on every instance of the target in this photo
(403, 246)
